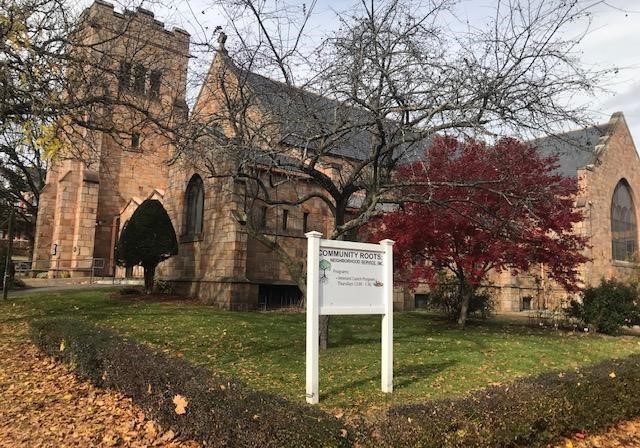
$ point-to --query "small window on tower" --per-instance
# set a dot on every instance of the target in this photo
(305, 222)
(285, 219)
(263, 217)
(154, 84)
(124, 76)
(139, 78)
(135, 141)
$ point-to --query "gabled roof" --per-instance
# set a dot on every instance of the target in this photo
(135, 201)
(579, 148)
(575, 149)
(304, 117)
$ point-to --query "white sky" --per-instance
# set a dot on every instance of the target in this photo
(613, 41)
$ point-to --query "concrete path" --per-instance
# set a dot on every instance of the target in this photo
(44, 285)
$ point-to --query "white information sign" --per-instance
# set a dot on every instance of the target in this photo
(345, 277)
(351, 280)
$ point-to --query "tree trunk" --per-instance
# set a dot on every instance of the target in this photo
(325, 321)
(324, 332)
(149, 275)
(467, 292)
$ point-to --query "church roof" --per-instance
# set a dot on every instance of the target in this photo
(305, 117)
(575, 149)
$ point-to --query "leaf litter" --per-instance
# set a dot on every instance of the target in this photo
(43, 404)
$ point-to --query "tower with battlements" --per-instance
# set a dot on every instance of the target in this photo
(118, 155)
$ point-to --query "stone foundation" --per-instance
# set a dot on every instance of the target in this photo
(403, 299)
(236, 295)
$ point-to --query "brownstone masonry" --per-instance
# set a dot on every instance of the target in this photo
(87, 199)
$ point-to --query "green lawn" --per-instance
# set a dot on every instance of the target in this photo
(267, 350)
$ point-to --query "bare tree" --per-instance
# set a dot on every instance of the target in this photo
(33, 34)
(344, 113)
(70, 78)
(372, 96)
(22, 173)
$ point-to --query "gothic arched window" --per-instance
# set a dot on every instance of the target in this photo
(194, 206)
(624, 232)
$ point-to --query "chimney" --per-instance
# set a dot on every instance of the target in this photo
(222, 38)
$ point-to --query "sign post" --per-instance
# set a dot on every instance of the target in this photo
(313, 315)
(387, 319)
(345, 277)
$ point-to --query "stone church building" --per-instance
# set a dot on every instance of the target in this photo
(86, 200)
(85, 203)
(605, 162)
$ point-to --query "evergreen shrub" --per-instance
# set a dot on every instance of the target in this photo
(607, 307)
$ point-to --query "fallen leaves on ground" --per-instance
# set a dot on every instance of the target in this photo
(623, 435)
(181, 404)
(42, 404)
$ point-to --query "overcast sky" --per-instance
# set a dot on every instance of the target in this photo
(613, 40)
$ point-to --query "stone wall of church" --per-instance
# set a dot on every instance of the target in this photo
(65, 228)
(47, 206)
(264, 265)
(211, 265)
(224, 266)
(619, 160)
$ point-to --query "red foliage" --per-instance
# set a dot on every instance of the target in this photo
(471, 208)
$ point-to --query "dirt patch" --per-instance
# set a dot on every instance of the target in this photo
(42, 404)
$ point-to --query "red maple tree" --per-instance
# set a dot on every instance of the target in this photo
(472, 208)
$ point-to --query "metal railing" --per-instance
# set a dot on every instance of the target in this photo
(94, 266)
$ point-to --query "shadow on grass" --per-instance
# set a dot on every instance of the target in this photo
(494, 324)
(406, 375)
(62, 304)
(345, 334)
(403, 377)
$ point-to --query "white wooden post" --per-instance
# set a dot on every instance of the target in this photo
(387, 318)
(313, 315)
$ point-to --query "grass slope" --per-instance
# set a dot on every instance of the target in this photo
(432, 358)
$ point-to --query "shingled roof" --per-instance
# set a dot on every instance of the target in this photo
(305, 116)
(574, 149)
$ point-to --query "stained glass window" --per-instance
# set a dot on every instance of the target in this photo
(624, 231)
(194, 201)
